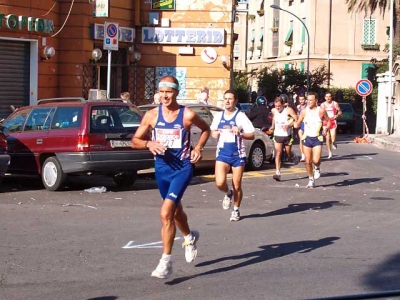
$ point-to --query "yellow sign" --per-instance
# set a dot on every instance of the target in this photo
(163, 4)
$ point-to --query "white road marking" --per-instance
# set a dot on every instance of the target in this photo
(143, 246)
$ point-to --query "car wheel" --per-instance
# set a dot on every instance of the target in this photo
(53, 177)
(125, 179)
(256, 157)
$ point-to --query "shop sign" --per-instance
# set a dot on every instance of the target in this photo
(192, 36)
(32, 24)
(100, 8)
(163, 4)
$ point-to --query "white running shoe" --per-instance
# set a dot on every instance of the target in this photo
(227, 201)
(330, 155)
(277, 177)
(190, 246)
(334, 146)
(163, 270)
(310, 184)
(317, 173)
(303, 158)
(235, 216)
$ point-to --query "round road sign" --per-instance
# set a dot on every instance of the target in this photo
(364, 87)
(111, 30)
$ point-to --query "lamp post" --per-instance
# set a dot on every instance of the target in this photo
(308, 42)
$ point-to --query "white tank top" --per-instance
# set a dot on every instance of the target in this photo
(281, 119)
(312, 122)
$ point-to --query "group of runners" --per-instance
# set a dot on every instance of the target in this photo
(313, 122)
(169, 125)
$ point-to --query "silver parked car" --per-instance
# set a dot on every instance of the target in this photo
(257, 151)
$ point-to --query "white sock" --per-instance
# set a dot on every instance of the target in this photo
(188, 237)
(278, 172)
(235, 207)
(166, 257)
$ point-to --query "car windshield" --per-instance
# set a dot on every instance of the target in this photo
(114, 118)
(346, 107)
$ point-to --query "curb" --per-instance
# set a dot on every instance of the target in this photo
(384, 143)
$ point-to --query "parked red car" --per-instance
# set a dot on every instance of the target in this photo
(61, 137)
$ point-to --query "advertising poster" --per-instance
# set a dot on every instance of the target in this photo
(179, 73)
(100, 8)
(163, 4)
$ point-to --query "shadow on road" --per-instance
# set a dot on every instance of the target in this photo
(385, 276)
(349, 156)
(266, 253)
(295, 208)
(350, 182)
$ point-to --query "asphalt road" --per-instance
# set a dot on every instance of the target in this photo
(293, 243)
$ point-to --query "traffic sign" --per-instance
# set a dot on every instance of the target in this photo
(364, 87)
(110, 36)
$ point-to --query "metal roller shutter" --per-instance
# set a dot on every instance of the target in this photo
(14, 75)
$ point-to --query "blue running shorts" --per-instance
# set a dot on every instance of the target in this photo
(233, 161)
(312, 142)
(173, 183)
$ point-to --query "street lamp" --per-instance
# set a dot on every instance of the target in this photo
(308, 42)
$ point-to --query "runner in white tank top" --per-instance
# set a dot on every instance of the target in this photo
(283, 121)
(333, 110)
(313, 116)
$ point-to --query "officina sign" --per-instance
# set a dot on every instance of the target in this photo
(192, 36)
(30, 23)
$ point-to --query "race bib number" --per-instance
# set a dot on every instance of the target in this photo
(170, 138)
(226, 136)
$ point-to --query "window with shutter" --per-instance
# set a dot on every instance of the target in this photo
(369, 32)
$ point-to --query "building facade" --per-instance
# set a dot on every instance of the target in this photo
(344, 42)
(46, 48)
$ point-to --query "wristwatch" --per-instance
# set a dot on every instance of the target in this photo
(199, 148)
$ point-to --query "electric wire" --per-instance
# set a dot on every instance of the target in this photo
(70, 9)
(55, 1)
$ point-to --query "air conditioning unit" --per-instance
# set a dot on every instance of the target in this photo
(95, 94)
(298, 48)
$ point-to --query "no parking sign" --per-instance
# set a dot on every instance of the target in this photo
(364, 87)
(110, 36)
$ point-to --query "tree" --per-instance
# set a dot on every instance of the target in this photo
(368, 5)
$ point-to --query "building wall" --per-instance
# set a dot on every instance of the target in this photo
(194, 14)
(62, 75)
(345, 55)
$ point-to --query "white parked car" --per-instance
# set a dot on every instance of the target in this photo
(257, 151)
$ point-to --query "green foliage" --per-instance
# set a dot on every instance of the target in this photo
(240, 81)
(350, 95)
(275, 81)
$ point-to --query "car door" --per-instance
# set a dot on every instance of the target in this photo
(12, 128)
(34, 138)
(210, 148)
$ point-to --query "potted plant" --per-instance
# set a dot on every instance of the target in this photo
(289, 43)
(374, 47)
(251, 48)
(275, 29)
(251, 17)
(259, 47)
(260, 12)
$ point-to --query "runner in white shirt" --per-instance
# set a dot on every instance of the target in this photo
(284, 118)
(231, 127)
(312, 116)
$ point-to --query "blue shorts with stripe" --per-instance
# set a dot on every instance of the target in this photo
(312, 142)
(173, 182)
(233, 160)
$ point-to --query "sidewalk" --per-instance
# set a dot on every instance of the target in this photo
(389, 142)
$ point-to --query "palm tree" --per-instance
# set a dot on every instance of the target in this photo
(368, 5)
